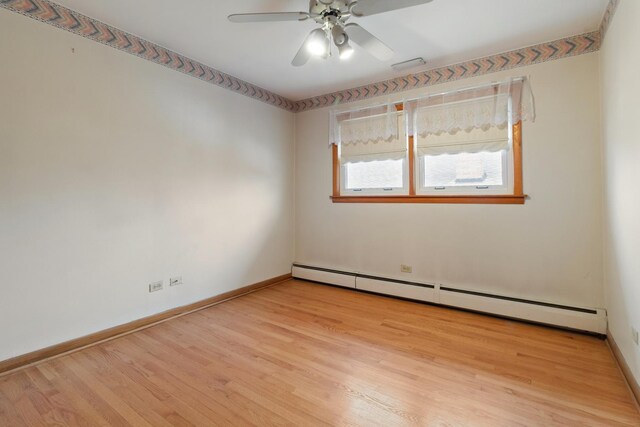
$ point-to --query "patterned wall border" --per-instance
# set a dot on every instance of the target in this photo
(74, 22)
(608, 17)
(66, 19)
(558, 49)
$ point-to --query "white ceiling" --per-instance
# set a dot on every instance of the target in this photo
(443, 32)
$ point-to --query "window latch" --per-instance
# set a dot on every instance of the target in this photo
(440, 188)
(482, 187)
(387, 189)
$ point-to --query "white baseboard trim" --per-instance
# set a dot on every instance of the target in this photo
(578, 318)
(412, 291)
(315, 274)
(593, 320)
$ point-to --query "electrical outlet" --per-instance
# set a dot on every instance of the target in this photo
(406, 268)
(175, 281)
(155, 287)
(634, 335)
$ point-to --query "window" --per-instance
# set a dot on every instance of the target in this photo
(461, 147)
(385, 175)
(474, 162)
(374, 166)
(464, 171)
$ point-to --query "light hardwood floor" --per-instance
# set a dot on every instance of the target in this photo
(305, 354)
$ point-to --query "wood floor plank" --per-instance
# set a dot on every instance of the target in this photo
(9, 415)
(62, 408)
(328, 357)
(263, 379)
(305, 354)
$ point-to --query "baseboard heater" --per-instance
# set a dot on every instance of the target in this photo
(593, 320)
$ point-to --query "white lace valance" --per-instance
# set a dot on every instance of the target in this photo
(369, 125)
(394, 148)
(482, 113)
(495, 105)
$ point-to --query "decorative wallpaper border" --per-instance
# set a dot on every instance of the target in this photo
(74, 22)
(558, 49)
(608, 17)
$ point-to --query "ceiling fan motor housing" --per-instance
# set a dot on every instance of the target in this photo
(332, 16)
(324, 10)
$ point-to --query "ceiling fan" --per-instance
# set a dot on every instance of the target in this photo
(332, 15)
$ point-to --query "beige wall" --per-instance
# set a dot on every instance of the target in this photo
(549, 249)
(621, 112)
(116, 172)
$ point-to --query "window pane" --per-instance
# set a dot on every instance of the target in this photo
(464, 169)
(374, 175)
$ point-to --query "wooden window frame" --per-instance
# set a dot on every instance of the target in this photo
(517, 198)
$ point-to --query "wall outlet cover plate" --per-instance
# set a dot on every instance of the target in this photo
(155, 287)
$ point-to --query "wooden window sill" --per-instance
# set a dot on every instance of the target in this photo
(452, 199)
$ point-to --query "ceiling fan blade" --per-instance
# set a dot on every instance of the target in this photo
(371, 7)
(268, 17)
(303, 55)
(368, 42)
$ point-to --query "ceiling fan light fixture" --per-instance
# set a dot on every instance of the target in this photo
(318, 44)
(345, 50)
(340, 37)
(332, 16)
(341, 40)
